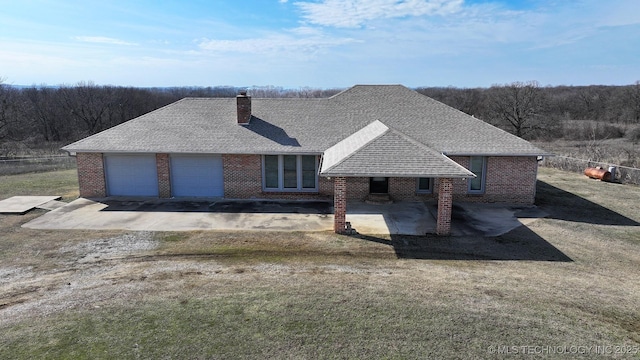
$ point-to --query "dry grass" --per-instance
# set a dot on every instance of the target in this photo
(619, 151)
(82, 294)
(577, 155)
(63, 183)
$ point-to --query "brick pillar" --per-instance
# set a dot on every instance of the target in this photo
(339, 204)
(91, 175)
(164, 175)
(445, 203)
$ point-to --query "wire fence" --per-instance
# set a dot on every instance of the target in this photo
(24, 165)
(624, 174)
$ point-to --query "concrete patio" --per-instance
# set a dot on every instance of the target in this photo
(407, 218)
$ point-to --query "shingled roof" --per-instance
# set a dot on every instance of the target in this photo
(306, 126)
(377, 150)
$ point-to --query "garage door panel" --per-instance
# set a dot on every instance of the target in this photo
(131, 175)
(196, 176)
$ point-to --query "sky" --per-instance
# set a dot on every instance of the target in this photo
(319, 43)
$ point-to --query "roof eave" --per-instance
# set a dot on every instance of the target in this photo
(405, 175)
(541, 153)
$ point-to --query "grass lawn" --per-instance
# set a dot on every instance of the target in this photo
(63, 183)
(218, 295)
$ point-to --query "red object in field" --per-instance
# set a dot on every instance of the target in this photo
(598, 173)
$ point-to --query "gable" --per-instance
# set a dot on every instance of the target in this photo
(377, 150)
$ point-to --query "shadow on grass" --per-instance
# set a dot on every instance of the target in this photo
(563, 205)
(518, 244)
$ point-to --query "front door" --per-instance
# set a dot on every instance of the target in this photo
(379, 185)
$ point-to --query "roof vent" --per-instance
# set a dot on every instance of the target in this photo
(244, 107)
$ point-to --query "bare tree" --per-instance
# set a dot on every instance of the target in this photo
(520, 106)
(6, 107)
(11, 113)
(633, 94)
(45, 114)
(88, 104)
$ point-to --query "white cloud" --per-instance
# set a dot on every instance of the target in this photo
(103, 40)
(354, 13)
(299, 42)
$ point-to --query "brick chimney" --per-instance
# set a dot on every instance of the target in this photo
(244, 108)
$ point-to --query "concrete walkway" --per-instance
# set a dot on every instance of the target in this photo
(22, 204)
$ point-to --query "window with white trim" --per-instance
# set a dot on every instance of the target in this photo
(478, 166)
(424, 186)
(290, 173)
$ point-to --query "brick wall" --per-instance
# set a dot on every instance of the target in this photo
(508, 179)
(243, 180)
(445, 206)
(339, 205)
(512, 179)
(406, 189)
(164, 175)
(91, 179)
(357, 188)
(242, 176)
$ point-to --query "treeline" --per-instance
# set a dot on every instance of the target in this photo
(31, 116)
(533, 112)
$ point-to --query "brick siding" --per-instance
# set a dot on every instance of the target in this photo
(164, 175)
(91, 176)
(508, 180)
(242, 176)
(339, 205)
(399, 189)
(243, 180)
(445, 206)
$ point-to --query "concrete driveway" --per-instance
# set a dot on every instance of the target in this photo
(170, 215)
(407, 218)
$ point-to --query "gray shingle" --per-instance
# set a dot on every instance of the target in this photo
(304, 126)
(381, 151)
(354, 142)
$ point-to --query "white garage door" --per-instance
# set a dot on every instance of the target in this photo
(196, 176)
(131, 175)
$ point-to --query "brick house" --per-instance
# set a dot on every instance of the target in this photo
(369, 139)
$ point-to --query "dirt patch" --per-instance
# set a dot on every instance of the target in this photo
(114, 247)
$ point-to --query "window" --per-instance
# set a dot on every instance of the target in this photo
(270, 171)
(290, 172)
(478, 166)
(425, 186)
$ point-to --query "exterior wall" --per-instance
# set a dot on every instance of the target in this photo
(357, 188)
(243, 180)
(509, 179)
(242, 176)
(164, 175)
(399, 189)
(91, 174)
(406, 189)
